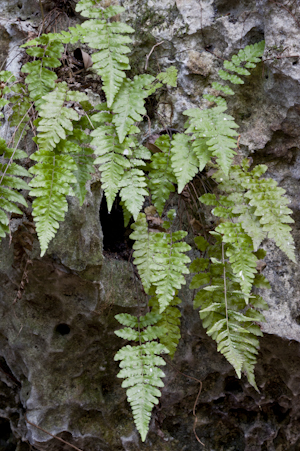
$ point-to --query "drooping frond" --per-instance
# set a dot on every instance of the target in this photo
(257, 203)
(161, 177)
(110, 39)
(139, 365)
(41, 80)
(160, 259)
(184, 160)
(217, 129)
(143, 250)
(170, 321)
(83, 158)
(56, 119)
(51, 184)
(128, 105)
(224, 309)
(10, 183)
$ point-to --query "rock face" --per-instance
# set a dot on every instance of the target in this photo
(57, 339)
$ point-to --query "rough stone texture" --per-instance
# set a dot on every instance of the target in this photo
(57, 342)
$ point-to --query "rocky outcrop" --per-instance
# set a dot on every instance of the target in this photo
(57, 339)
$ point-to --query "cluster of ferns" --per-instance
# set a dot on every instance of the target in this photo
(72, 137)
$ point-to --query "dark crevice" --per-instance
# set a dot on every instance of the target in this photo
(63, 329)
(116, 241)
(6, 436)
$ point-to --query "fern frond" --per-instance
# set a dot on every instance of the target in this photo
(139, 366)
(169, 77)
(52, 182)
(110, 39)
(218, 130)
(225, 311)
(184, 160)
(133, 191)
(41, 80)
(83, 158)
(10, 183)
(170, 321)
(143, 250)
(258, 204)
(111, 158)
(161, 177)
(128, 104)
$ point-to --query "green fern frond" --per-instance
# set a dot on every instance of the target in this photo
(169, 77)
(51, 184)
(10, 183)
(110, 39)
(184, 160)
(139, 365)
(132, 191)
(225, 311)
(7, 78)
(258, 204)
(128, 104)
(169, 264)
(169, 321)
(41, 80)
(161, 177)
(83, 158)
(141, 373)
(143, 250)
(112, 158)
(218, 130)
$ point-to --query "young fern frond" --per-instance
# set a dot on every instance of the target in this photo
(139, 366)
(224, 308)
(249, 57)
(161, 177)
(110, 39)
(10, 183)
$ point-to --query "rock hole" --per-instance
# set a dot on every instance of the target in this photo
(295, 62)
(232, 385)
(20, 6)
(6, 436)
(63, 329)
(116, 241)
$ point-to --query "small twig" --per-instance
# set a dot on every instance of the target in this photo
(151, 51)
(195, 403)
(54, 436)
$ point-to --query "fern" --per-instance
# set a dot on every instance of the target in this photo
(224, 308)
(160, 260)
(41, 80)
(161, 177)
(10, 183)
(169, 321)
(110, 39)
(139, 366)
(54, 170)
(128, 105)
(258, 204)
(115, 158)
(218, 130)
(184, 160)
